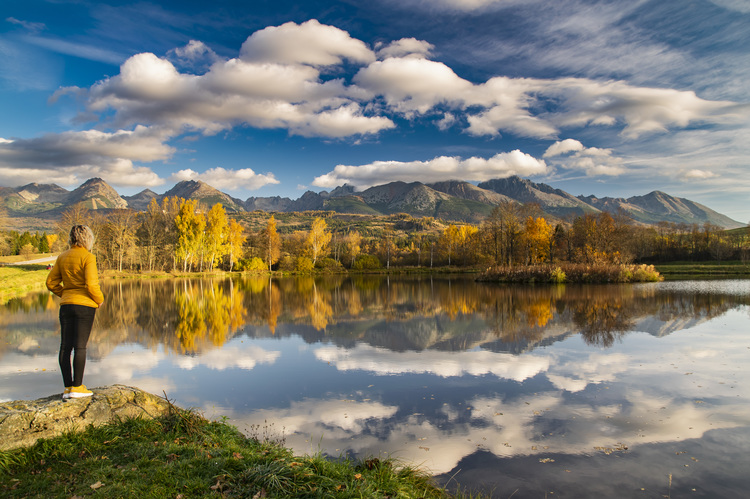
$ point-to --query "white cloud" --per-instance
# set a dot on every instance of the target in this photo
(438, 169)
(221, 178)
(696, 174)
(592, 160)
(307, 43)
(413, 83)
(563, 147)
(195, 54)
(406, 47)
(71, 157)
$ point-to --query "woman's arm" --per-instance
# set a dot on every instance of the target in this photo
(54, 279)
(92, 279)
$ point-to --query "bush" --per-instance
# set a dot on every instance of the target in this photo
(366, 262)
(287, 263)
(329, 265)
(557, 276)
(256, 265)
(303, 265)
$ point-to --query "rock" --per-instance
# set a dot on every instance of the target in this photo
(23, 422)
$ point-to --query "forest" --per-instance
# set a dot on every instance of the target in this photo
(179, 235)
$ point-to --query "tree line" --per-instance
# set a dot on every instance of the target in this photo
(188, 236)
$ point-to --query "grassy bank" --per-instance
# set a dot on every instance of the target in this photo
(183, 455)
(20, 279)
(684, 270)
(571, 273)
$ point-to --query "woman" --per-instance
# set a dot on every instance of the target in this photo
(74, 278)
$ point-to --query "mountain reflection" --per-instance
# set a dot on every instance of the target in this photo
(194, 316)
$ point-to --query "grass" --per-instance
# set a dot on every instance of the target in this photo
(184, 455)
(732, 268)
(20, 279)
(572, 273)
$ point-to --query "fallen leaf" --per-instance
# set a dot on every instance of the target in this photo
(97, 485)
(358, 476)
(237, 455)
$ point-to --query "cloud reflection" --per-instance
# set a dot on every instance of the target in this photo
(382, 361)
(229, 357)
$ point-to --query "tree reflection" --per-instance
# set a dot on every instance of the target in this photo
(189, 316)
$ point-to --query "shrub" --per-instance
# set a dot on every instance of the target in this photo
(287, 263)
(303, 264)
(256, 265)
(366, 262)
(329, 265)
(557, 276)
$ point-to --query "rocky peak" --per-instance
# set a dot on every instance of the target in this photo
(96, 194)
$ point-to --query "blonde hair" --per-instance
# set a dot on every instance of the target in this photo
(81, 235)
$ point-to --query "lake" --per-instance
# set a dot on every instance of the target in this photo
(516, 391)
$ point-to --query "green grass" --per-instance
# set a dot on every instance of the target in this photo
(20, 279)
(184, 455)
(704, 269)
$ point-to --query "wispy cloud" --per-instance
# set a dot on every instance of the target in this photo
(82, 50)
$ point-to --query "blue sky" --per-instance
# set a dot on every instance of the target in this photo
(265, 98)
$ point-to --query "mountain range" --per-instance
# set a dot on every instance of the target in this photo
(451, 200)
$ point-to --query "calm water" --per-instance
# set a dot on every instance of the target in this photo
(574, 391)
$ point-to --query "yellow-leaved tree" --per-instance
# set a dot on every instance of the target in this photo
(318, 239)
(190, 225)
(270, 242)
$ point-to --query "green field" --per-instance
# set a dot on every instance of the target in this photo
(704, 270)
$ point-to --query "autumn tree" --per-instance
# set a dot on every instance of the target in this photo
(214, 240)
(150, 234)
(190, 225)
(536, 240)
(449, 241)
(317, 239)
(352, 246)
(118, 237)
(235, 241)
(270, 243)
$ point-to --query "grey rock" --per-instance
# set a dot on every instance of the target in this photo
(23, 422)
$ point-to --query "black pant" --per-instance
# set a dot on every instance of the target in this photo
(75, 328)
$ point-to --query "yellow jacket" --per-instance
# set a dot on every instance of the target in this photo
(74, 278)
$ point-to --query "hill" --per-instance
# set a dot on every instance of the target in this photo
(454, 201)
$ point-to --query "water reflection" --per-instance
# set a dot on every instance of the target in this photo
(441, 372)
(196, 316)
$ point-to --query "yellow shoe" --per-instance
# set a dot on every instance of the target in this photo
(79, 392)
(66, 393)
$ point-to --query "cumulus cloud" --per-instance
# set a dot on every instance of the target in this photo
(70, 157)
(406, 47)
(307, 43)
(571, 154)
(195, 55)
(413, 83)
(221, 178)
(438, 169)
(275, 83)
